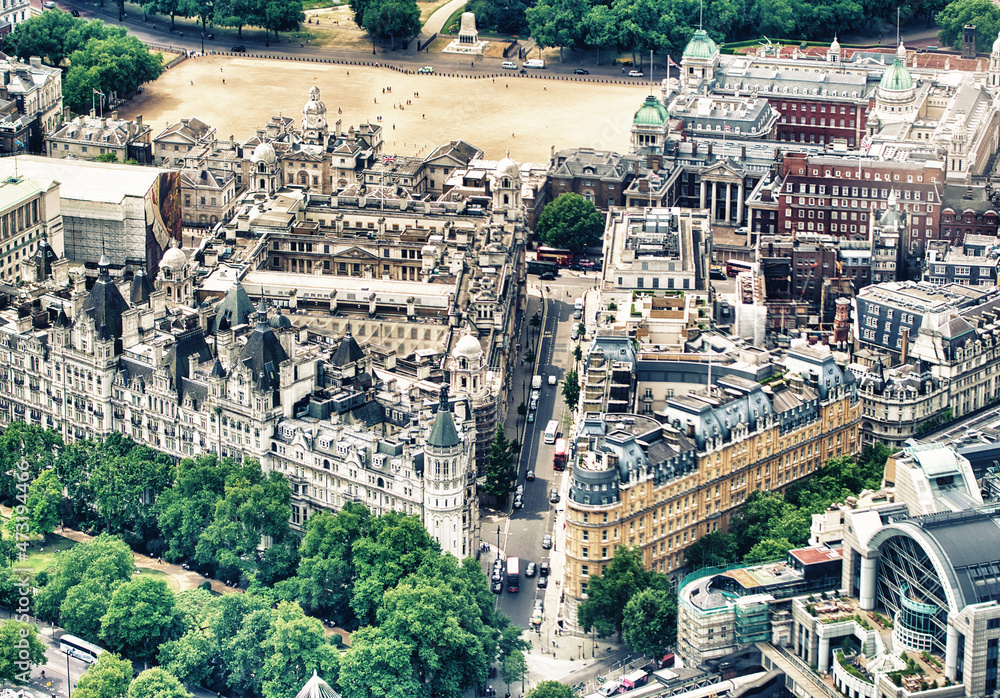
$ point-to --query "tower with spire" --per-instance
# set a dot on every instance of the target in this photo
(449, 511)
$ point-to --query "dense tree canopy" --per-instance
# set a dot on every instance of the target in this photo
(108, 677)
(570, 222)
(141, 616)
(17, 637)
(157, 683)
(104, 562)
(649, 623)
(571, 388)
(983, 13)
(551, 689)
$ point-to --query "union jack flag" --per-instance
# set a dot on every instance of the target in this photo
(670, 62)
(725, 127)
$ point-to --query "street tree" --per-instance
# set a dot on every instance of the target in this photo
(185, 510)
(377, 666)
(157, 683)
(610, 592)
(44, 497)
(529, 356)
(141, 616)
(116, 65)
(551, 689)
(171, 8)
(108, 677)
(570, 222)
(241, 627)
(283, 15)
(192, 658)
(501, 17)
(296, 647)
(512, 667)
(17, 638)
(600, 29)
(239, 14)
(649, 623)
(571, 389)
(84, 606)
(501, 465)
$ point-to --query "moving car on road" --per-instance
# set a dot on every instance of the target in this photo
(238, 49)
(509, 65)
(635, 73)
(518, 501)
(546, 542)
(552, 379)
(581, 71)
(530, 475)
(530, 569)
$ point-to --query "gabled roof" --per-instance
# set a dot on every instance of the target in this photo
(189, 344)
(263, 353)
(234, 309)
(142, 287)
(460, 152)
(348, 352)
(105, 304)
(190, 130)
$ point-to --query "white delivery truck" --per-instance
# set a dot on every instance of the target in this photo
(536, 382)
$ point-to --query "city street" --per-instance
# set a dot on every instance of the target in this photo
(522, 531)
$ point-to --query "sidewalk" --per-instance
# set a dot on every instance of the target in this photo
(186, 579)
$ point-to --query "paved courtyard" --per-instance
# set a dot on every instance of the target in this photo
(529, 116)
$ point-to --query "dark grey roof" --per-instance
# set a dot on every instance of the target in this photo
(972, 544)
(371, 413)
(235, 309)
(263, 354)
(191, 343)
(132, 369)
(105, 304)
(142, 287)
(279, 321)
(443, 432)
(348, 351)
(44, 258)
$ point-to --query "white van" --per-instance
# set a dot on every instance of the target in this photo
(536, 382)
(534, 63)
(509, 65)
(610, 688)
(579, 304)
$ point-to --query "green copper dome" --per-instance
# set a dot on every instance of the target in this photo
(651, 113)
(896, 78)
(700, 46)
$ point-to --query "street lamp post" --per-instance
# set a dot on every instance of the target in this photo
(498, 541)
(69, 679)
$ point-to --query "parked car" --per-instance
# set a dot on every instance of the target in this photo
(552, 379)
(546, 542)
(49, 5)
(426, 69)
(742, 230)
(553, 495)
(530, 569)
(536, 618)
(543, 569)
(577, 314)
(586, 263)
(208, 35)
(75, 13)
(238, 48)
(531, 417)
(543, 582)
(519, 490)
(547, 276)
(530, 475)
(497, 573)
(635, 73)
(518, 501)
(575, 333)
(497, 587)
(575, 267)
(581, 71)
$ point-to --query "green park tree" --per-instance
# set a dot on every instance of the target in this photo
(556, 22)
(296, 647)
(141, 616)
(395, 19)
(17, 637)
(551, 689)
(192, 657)
(283, 15)
(170, 8)
(26, 450)
(571, 389)
(242, 628)
(570, 222)
(43, 35)
(768, 550)
(377, 666)
(116, 65)
(157, 683)
(185, 510)
(105, 561)
(44, 497)
(503, 18)
(649, 622)
(609, 593)
(108, 677)
(600, 29)
(513, 667)
(501, 464)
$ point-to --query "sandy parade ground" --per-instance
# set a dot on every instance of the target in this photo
(528, 116)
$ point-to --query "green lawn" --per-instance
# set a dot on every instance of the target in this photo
(43, 557)
(171, 582)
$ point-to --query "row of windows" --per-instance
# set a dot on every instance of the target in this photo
(812, 121)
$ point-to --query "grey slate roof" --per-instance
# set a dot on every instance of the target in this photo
(263, 354)
(105, 304)
(348, 351)
(234, 309)
(142, 287)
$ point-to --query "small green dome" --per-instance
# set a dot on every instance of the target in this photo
(651, 113)
(896, 78)
(700, 46)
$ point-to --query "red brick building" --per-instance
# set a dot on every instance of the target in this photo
(838, 195)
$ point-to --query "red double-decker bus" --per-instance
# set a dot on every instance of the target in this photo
(559, 457)
(554, 254)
